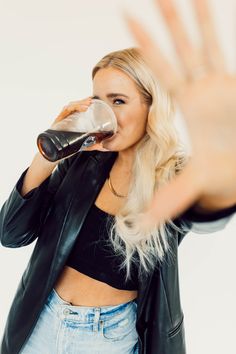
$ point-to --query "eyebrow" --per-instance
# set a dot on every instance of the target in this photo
(112, 95)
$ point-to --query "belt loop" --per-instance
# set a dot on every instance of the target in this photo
(97, 311)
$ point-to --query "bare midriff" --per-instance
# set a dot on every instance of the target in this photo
(82, 290)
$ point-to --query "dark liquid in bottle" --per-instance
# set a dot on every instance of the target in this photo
(57, 144)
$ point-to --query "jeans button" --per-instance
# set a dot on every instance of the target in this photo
(66, 311)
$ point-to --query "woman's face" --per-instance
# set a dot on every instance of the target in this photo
(119, 91)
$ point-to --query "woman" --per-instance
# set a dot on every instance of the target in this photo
(73, 297)
(124, 298)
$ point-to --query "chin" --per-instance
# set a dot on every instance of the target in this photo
(116, 144)
(109, 143)
(116, 147)
(110, 147)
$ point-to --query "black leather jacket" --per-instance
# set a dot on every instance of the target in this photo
(53, 213)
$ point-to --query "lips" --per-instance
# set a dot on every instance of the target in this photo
(108, 139)
(112, 137)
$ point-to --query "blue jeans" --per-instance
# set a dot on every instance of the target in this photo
(66, 329)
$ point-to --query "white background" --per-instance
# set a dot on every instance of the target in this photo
(48, 49)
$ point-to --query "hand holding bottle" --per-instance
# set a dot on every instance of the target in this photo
(80, 125)
(41, 167)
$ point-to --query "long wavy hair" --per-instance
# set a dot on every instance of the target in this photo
(159, 156)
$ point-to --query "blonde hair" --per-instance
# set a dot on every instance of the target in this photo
(158, 157)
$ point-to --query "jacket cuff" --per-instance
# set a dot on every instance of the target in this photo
(31, 194)
(195, 216)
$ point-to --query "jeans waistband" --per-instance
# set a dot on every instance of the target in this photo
(88, 312)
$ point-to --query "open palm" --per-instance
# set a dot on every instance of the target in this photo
(206, 94)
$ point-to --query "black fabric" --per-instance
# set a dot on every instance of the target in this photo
(54, 214)
(93, 255)
(196, 216)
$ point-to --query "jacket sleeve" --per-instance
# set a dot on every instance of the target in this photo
(191, 220)
(21, 217)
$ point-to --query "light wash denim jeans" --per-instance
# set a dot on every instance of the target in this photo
(66, 329)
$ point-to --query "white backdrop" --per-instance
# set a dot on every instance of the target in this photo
(48, 49)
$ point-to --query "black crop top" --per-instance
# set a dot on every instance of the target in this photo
(93, 255)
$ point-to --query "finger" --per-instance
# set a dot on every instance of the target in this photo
(175, 197)
(211, 45)
(87, 100)
(168, 76)
(79, 106)
(69, 110)
(189, 56)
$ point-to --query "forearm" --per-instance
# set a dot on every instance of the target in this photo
(38, 171)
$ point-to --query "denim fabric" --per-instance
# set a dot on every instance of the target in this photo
(66, 329)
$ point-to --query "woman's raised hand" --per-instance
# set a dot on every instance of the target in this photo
(206, 95)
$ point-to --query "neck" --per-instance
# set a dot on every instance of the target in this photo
(125, 160)
(120, 174)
